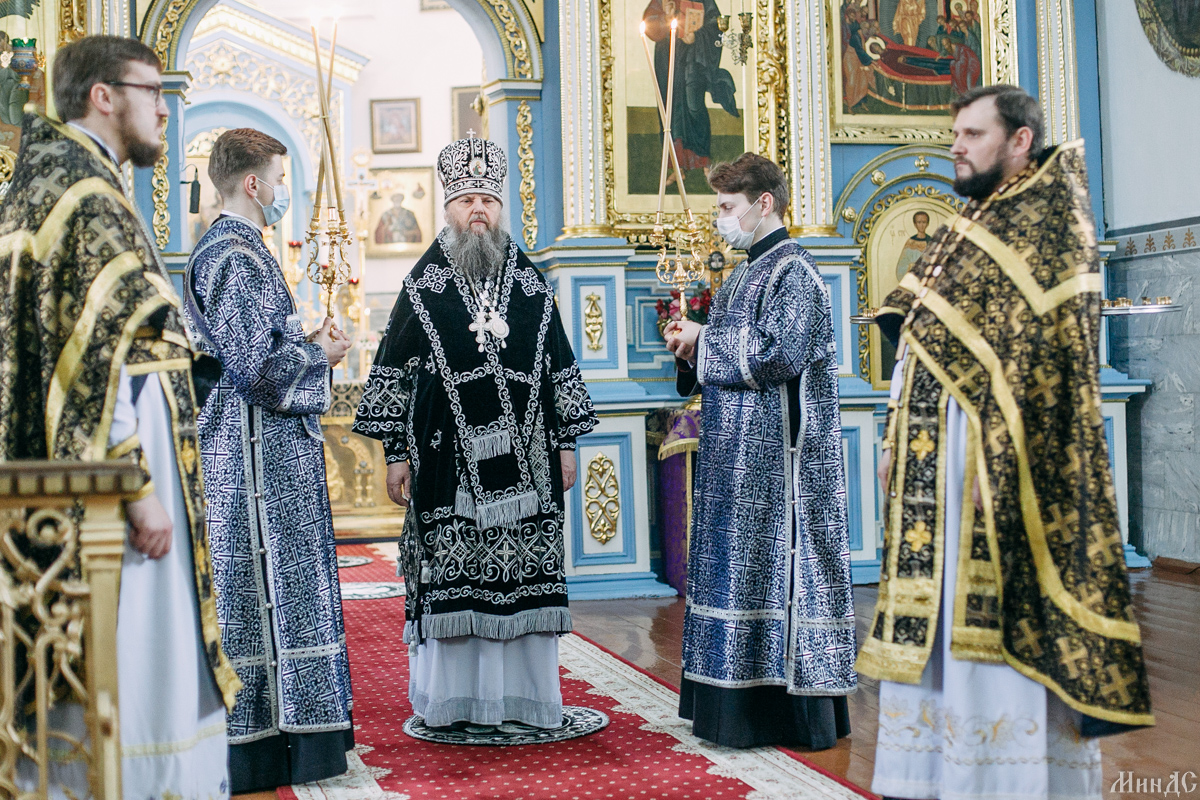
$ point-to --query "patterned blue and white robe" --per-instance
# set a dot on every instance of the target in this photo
(269, 522)
(769, 598)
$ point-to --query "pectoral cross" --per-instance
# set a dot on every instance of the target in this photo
(479, 326)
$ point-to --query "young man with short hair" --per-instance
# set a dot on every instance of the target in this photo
(768, 640)
(275, 566)
(96, 364)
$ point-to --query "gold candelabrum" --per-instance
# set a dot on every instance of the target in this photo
(687, 264)
(327, 234)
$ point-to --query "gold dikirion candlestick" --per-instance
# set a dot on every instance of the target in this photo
(327, 201)
(681, 270)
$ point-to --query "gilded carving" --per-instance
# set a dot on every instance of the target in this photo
(864, 339)
(772, 93)
(1057, 77)
(72, 20)
(879, 273)
(863, 231)
(1174, 46)
(593, 322)
(201, 146)
(335, 484)
(58, 618)
(518, 55)
(225, 65)
(602, 498)
(525, 165)
(161, 193)
(8, 162)
(164, 35)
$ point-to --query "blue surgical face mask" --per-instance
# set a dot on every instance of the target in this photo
(279, 206)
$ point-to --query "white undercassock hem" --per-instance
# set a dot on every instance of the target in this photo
(975, 731)
(486, 681)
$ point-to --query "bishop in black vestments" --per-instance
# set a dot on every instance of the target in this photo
(477, 399)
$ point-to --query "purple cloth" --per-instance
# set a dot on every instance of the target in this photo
(678, 447)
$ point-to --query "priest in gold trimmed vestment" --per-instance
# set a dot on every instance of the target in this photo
(1003, 632)
(95, 365)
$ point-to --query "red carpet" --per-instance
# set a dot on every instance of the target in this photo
(646, 753)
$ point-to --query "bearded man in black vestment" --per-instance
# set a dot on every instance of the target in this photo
(477, 399)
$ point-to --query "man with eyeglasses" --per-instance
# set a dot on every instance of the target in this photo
(95, 364)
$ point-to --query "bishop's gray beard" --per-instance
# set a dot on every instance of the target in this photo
(478, 256)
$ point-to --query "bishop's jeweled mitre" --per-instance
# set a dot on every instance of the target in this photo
(472, 166)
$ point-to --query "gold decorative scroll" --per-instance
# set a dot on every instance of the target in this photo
(518, 56)
(58, 620)
(602, 498)
(525, 164)
(72, 20)
(8, 163)
(772, 94)
(593, 322)
(161, 193)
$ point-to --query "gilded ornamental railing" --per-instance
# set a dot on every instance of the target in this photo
(62, 535)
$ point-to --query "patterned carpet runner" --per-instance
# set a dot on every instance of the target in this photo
(646, 753)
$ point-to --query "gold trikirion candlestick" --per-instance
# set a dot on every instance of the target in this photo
(680, 271)
(336, 237)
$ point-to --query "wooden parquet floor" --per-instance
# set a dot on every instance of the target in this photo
(648, 633)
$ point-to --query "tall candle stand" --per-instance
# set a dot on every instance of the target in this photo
(332, 240)
(686, 266)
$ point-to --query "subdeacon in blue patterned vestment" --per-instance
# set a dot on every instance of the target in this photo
(275, 567)
(769, 598)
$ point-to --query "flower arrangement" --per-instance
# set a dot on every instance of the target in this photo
(698, 305)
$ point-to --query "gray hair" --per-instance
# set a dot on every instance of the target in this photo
(478, 256)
